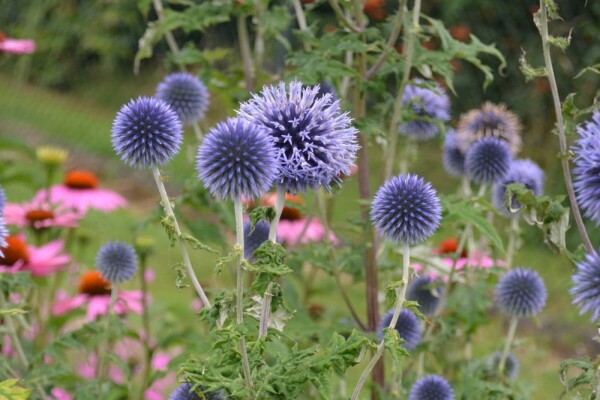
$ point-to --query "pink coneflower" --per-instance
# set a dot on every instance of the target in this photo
(40, 261)
(94, 291)
(40, 215)
(16, 46)
(80, 191)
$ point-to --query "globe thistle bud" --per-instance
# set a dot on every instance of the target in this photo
(253, 238)
(521, 293)
(431, 107)
(431, 387)
(146, 132)
(586, 287)
(186, 94)
(425, 291)
(520, 171)
(406, 209)
(453, 157)
(408, 328)
(185, 392)
(51, 156)
(587, 160)
(117, 262)
(237, 158)
(315, 141)
(487, 161)
(511, 365)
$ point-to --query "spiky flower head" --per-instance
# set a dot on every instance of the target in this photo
(431, 108)
(521, 293)
(426, 291)
(431, 387)
(237, 158)
(146, 132)
(186, 94)
(520, 171)
(51, 156)
(3, 235)
(326, 87)
(586, 285)
(511, 366)
(117, 262)
(253, 238)
(491, 120)
(406, 209)
(487, 160)
(408, 327)
(315, 141)
(587, 167)
(453, 157)
(185, 392)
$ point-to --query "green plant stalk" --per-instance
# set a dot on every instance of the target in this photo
(239, 292)
(259, 38)
(166, 203)
(343, 19)
(145, 324)
(400, 296)
(102, 356)
(561, 128)
(301, 18)
(395, 120)
(512, 329)
(242, 30)
(513, 237)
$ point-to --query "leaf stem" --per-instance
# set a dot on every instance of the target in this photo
(514, 322)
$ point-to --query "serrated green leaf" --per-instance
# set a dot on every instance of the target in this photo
(560, 42)
(12, 311)
(528, 71)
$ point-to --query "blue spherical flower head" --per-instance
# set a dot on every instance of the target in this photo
(586, 286)
(487, 160)
(587, 168)
(431, 387)
(425, 291)
(406, 209)
(3, 235)
(186, 94)
(521, 293)
(237, 158)
(325, 87)
(453, 157)
(184, 392)
(511, 366)
(315, 141)
(146, 132)
(253, 238)
(520, 171)
(117, 262)
(431, 107)
(408, 328)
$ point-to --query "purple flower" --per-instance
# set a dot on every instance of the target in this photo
(426, 291)
(521, 171)
(146, 132)
(186, 94)
(117, 262)
(3, 235)
(487, 160)
(408, 328)
(511, 366)
(253, 238)
(406, 209)
(431, 387)
(521, 293)
(453, 157)
(587, 167)
(586, 285)
(184, 392)
(315, 141)
(431, 108)
(237, 158)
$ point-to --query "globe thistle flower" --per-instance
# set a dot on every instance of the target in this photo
(184, 392)
(587, 168)
(146, 132)
(586, 285)
(117, 262)
(424, 290)
(431, 107)
(253, 238)
(237, 158)
(487, 160)
(315, 141)
(521, 293)
(520, 171)
(325, 87)
(186, 94)
(453, 157)
(408, 328)
(431, 387)
(511, 365)
(491, 120)
(406, 209)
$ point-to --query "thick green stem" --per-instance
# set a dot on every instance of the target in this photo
(242, 30)
(514, 322)
(259, 39)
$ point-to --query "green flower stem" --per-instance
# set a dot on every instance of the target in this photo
(400, 296)
(301, 18)
(146, 325)
(102, 356)
(514, 322)
(561, 128)
(166, 203)
(239, 293)
(343, 18)
(513, 237)
(242, 30)
(259, 38)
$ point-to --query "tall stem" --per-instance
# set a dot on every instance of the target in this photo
(146, 325)
(400, 296)
(239, 292)
(513, 237)
(259, 39)
(242, 30)
(102, 356)
(166, 203)
(514, 322)
(561, 129)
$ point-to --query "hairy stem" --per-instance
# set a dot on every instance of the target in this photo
(166, 203)
(514, 322)
(242, 30)
(561, 128)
